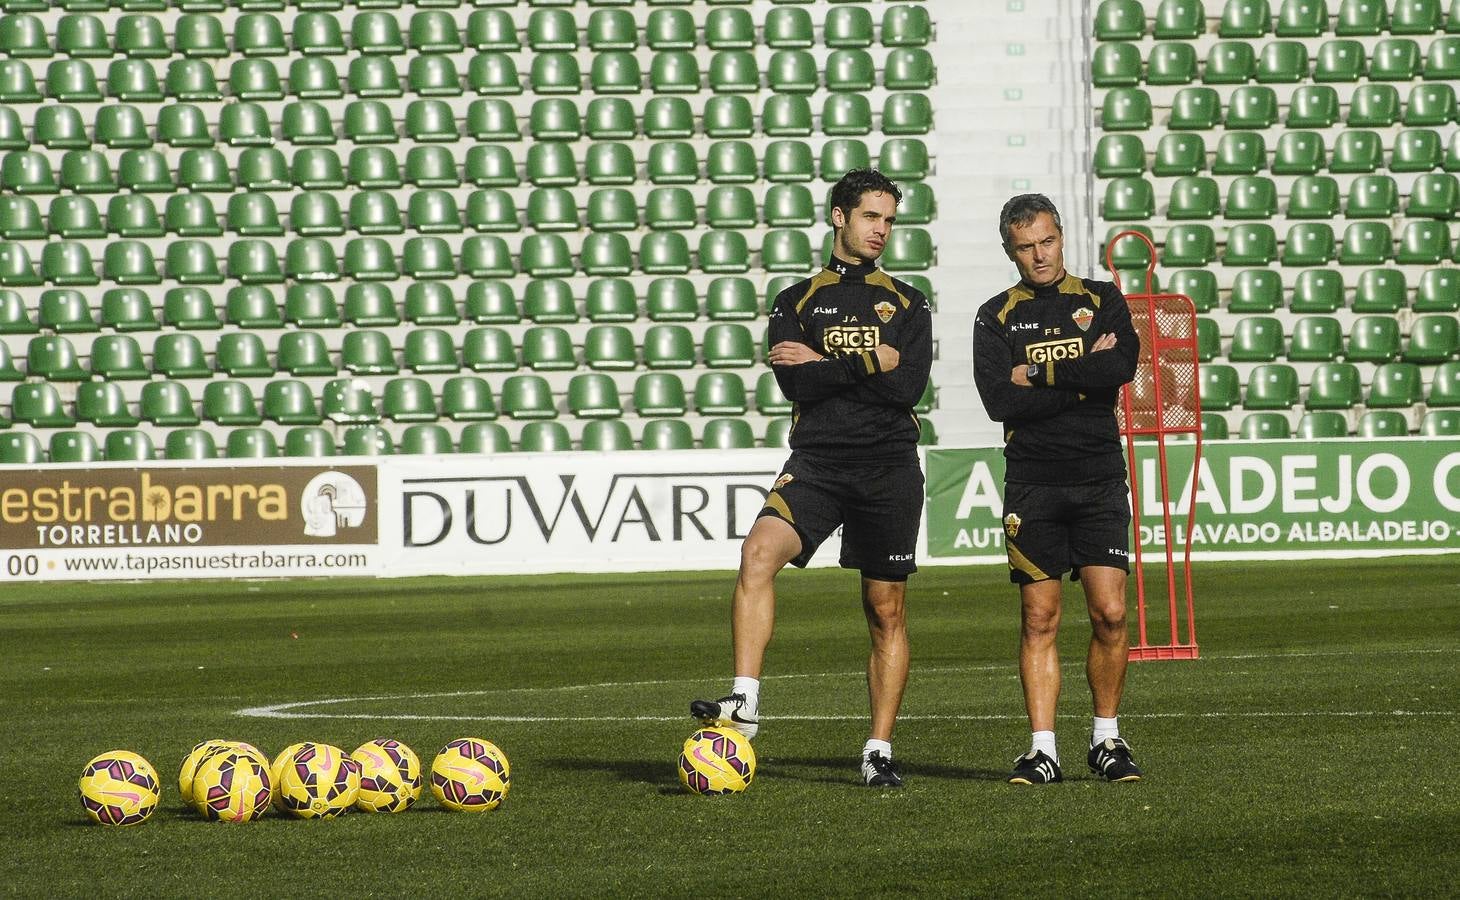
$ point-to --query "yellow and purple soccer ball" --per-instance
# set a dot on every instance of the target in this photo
(716, 761)
(390, 776)
(189, 769)
(232, 785)
(470, 775)
(119, 787)
(317, 781)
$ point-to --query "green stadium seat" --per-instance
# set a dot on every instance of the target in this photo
(783, 250)
(593, 395)
(734, 71)
(426, 439)
(549, 301)
(70, 217)
(607, 254)
(1415, 17)
(467, 398)
(909, 249)
(65, 312)
(900, 158)
(431, 303)
(118, 357)
(668, 347)
(1126, 109)
(1366, 243)
(1230, 62)
(302, 353)
(348, 401)
(607, 435)
(1359, 17)
(1251, 197)
(612, 209)
(230, 403)
(489, 209)
(555, 73)
(17, 84)
(727, 206)
(54, 359)
(1256, 339)
(290, 402)
(1283, 62)
(728, 29)
(1340, 61)
(1430, 104)
(552, 209)
(1192, 197)
(1395, 384)
(1423, 243)
(1394, 59)
(664, 253)
(670, 208)
(167, 403)
(611, 300)
(546, 256)
(486, 349)
(769, 400)
(1177, 154)
(251, 443)
(610, 163)
(1123, 155)
(851, 27)
(1442, 59)
(731, 299)
(910, 113)
(491, 73)
(909, 69)
(789, 29)
(666, 434)
(21, 448)
(1374, 106)
(1309, 244)
(1219, 387)
(528, 397)
(1251, 244)
(675, 162)
(253, 214)
(192, 215)
(1416, 150)
(1119, 20)
(485, 438)
(127, 445)
(1130, 255)
(1313, 197)
(1189, 245)
(14, 317)
(1313, 106)
(431, 167)
(1435, 196)
(610, 119)
(728, 116)
(1380, 291)
(311, 305)
(1383, 424)
(659, 394)
(1322, 424)
(1194, 109)
(728, 345)
(1373, 339)
(1256, 291)
(1196, 284)
(430, 350)
(102, 403)
(1265, 426)
(1117, 65)
(609, 347)
(1316, 339)
(727, 434)
(8, 372)
(59, 127)
(309, 441)
(67, 263)
(1208, 339)
(672, 300)
(1441, 423)
(368, 352)
(1240, 153)
(1245, 19)
(242, 355)
(1445, 385)
(1167, 64)
(367, 440)
(486, 256)
(491, 302)
(1433, 339)
(39, 406)
(1438, 291)
(408, 400)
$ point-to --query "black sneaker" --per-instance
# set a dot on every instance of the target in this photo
(727, 712)
(1036, 767)
(1110, 759)
(880, 771)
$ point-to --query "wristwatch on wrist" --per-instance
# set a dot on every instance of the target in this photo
(1031, 372)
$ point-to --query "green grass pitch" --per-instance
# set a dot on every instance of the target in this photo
(1311, 750)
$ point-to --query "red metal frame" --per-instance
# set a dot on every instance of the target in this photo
(1169, 403)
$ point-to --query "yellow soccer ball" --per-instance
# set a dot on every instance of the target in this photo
(119, 788)
(716, 761)
(318, 781)
(201, 751)
(232, 785)
(390, 776)
(470, 775)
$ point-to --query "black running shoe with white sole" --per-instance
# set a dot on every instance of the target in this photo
(1110, 759)
(727, 712)
(1036, 767)
(880, 771)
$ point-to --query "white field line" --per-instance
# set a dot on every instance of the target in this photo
(301, 709)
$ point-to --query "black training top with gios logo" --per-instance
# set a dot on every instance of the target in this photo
(844, 406)
(1063, 429)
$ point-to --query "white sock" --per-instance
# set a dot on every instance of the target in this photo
(1044, 741)
(748, 686)
(883, 747)
(1102, 729)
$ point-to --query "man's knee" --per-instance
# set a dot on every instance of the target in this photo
(1040, 610)
(768, 548)
(885, 604)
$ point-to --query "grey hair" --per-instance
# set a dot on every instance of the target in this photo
(1022, 210)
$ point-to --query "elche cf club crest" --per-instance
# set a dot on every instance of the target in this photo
(1083, 317)
(784, 480)
(884, 311)
(1011, 525)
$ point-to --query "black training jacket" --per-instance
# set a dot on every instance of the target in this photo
(844, 406)
(1063, 429)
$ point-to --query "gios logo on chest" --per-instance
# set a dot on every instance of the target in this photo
(1054, 351)
(844, 339)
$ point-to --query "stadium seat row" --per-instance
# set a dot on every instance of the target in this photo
(1279, 62)
(307, 122)
(491, 73)
(323, 34)
(1125, 20)
(1321, 291)
(40, 6)
(373, 305)
(486, 348)
(1307, 244)
(1334, 385)
(206, 170)
(1257, 107)
(1260, 338)
(463, 398)
(1383, 423)
(372, 440)
(255, 261)
(318, 213)
(1432, 196)
(1355, 151)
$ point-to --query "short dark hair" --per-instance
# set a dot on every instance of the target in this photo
(1022, 210)
(847, 193)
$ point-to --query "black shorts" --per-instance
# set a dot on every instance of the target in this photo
(1051, 529)
(879, 508)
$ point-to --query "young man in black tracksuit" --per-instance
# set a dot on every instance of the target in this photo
(1050, 355)
(851, 347)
